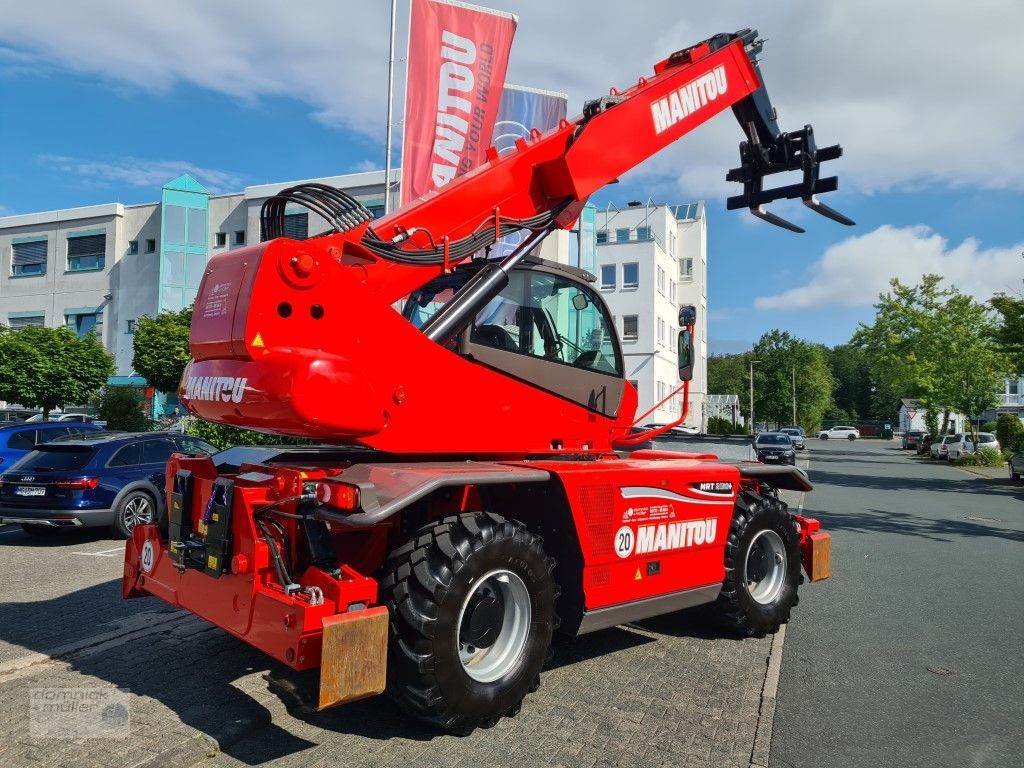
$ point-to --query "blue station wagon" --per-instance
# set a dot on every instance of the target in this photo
(102, 479)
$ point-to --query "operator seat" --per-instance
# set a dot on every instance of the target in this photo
(493, 336)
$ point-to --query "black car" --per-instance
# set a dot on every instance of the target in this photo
(912, 439)
(775, 448)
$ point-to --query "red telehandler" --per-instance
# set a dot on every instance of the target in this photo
(467, 499)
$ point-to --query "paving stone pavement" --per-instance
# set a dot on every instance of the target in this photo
(668, 691)
(662, 692)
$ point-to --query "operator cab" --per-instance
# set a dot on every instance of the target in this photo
(547, 327)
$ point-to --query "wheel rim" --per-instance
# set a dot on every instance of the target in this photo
(138, 511)
(765, 567)
(494, 623)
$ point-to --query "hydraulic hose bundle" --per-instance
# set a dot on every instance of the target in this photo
(339, 209)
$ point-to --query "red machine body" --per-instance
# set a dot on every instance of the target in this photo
(284, 547)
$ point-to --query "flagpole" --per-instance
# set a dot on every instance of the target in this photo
(391, 88)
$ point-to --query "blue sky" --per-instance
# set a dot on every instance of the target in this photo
(114, 103)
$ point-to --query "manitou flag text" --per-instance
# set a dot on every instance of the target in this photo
(458, 55)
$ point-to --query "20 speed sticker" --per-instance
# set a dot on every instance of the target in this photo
(148, 556)
(624, 542)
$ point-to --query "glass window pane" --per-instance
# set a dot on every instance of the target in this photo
(197, 227)
(607, 276)
(630, 275)
(127, 457)
(622, 235)
(174, 224)
(156, 451)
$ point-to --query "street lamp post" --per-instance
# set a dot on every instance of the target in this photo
(794, 396)
(753, 424)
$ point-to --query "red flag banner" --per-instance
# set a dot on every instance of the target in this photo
(458, 55)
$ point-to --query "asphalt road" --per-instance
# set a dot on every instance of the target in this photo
(911, 654)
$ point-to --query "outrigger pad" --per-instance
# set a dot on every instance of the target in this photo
(354, 658)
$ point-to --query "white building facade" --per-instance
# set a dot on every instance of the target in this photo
(652, 259)
(100, 268)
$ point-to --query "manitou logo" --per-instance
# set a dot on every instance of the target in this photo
(227, 389)
(665, 536)
(686, 100)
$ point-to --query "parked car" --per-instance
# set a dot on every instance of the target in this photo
(16, 440)
(106, 478)
(1016, 464)
(836, 433)
(796, 434)
(986, 442)
(14, 415)
(912, 439)
(924, 445)
(940, 448)
(78, 417)
(681, 431)
(775, 448)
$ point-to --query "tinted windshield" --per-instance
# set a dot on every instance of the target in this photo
(791, 431)
(53, 458)
(986, 438)
(774, 440)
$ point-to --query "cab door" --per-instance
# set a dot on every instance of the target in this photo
(554, 333)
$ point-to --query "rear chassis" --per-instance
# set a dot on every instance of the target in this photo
(217, 557)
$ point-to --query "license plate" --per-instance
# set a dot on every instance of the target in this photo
(29, 490)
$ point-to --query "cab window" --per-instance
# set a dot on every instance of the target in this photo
(550, 317)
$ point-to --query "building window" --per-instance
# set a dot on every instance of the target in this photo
(1012, 387)
(84, 323)
(239, 237)
(622, 235)
(151, 245)
(133, 247)
(643, 233)
(296, 226)
(661, 280)
(29, 258)
(661, 332)
(131, 327)
(86, 253)
(630, 327)
(607, 277)
(27, 321)
(221, 239)
(375, 210)
(686, 270)
(602, 236)
(630, 275)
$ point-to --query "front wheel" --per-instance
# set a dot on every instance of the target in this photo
(762, 567)
(823, 437)
(472, 602)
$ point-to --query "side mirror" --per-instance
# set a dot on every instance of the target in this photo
(685, 345)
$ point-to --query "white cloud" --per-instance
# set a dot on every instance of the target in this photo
(919, 92)
(143, 173)
(853, 272)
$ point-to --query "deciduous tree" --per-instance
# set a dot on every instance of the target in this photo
(51, 368)
(161, 348)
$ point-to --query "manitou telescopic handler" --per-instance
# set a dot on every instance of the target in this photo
(467, 500)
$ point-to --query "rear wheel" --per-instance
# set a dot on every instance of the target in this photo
(851, 437)
(762, 567)
(136, 508)
(471, 600)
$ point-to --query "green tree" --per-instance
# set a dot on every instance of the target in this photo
(905, 345)
(1009, 330)
(123, 408)
(974, 363)
(934, 344)
(161, 348)
(51, 368)
(851, 370)
(781, 356)
(728, 375)
(224, 436)
(1010, 432)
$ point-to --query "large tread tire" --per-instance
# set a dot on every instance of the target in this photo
(424, 584)
(735, 608)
